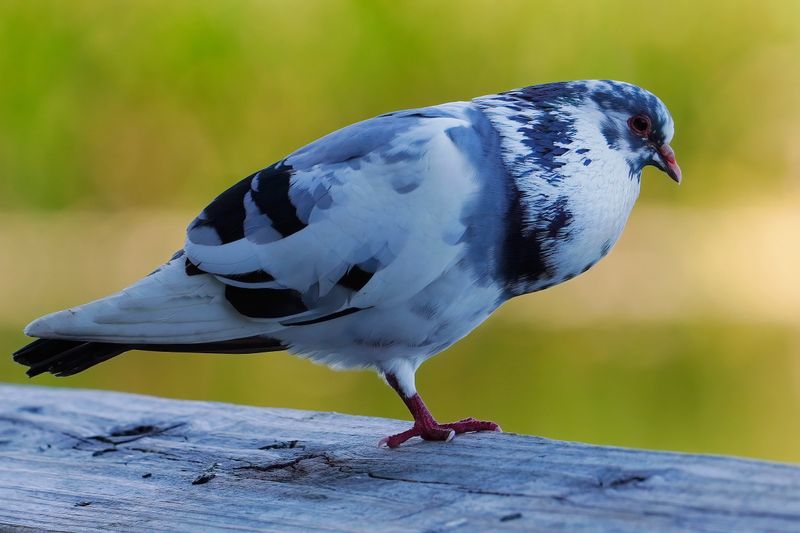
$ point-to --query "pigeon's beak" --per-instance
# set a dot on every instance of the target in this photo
(670, 165)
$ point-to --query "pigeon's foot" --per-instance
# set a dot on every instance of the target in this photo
(436, 431)
(425, 426)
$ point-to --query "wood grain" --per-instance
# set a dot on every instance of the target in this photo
(90, 461)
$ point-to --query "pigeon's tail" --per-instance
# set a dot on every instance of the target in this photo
(170, 306)
(65, 358)
(171, 310)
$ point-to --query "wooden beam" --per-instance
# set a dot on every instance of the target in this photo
(91, 460)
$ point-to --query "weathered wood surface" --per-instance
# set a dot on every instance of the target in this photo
(89, 460)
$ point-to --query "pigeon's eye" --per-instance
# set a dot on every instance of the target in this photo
(640, 125)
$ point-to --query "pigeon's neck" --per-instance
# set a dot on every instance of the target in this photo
(535, 134)
(569, 194)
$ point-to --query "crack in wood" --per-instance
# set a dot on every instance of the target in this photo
(456, 486)
(286, 471)
(510, 517)
(290, 444)
(98, 453)
(207, 475)
(135, 433)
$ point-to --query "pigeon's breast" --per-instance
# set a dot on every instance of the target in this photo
(593, 217)
(560, 230)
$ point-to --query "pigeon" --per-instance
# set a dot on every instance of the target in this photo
(383, 243)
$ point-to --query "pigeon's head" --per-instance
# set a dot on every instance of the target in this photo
(547, 126)
(636, 122)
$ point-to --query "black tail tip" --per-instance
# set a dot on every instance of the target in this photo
(64, 358)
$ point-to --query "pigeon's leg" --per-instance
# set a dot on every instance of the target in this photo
(425, 426)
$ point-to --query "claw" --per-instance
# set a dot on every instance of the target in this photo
(436, 431)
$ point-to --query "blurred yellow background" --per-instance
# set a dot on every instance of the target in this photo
(120, 120)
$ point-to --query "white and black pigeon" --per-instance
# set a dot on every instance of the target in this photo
(383, 243)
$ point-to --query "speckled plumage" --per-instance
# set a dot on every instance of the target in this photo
(383, 243)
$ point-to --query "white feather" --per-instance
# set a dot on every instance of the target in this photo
(166, 307)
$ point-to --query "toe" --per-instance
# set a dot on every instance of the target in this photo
(470, 424)
(393, 441)
(438, 433)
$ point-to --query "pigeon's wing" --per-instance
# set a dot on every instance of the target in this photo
(364, 217)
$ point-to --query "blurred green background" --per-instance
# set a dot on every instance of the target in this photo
(120, 120)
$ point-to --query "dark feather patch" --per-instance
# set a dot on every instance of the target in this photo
(523, 260)
(37, 350)
(355, 278)
(560, 217)
(256, 276)
(233, 346)
(192, 269)
(265, 303)
(338, 314)
(548, 136)
(65, 358)
(272, 199)
(225, 214)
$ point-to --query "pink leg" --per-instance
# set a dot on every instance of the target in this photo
(425, 426)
